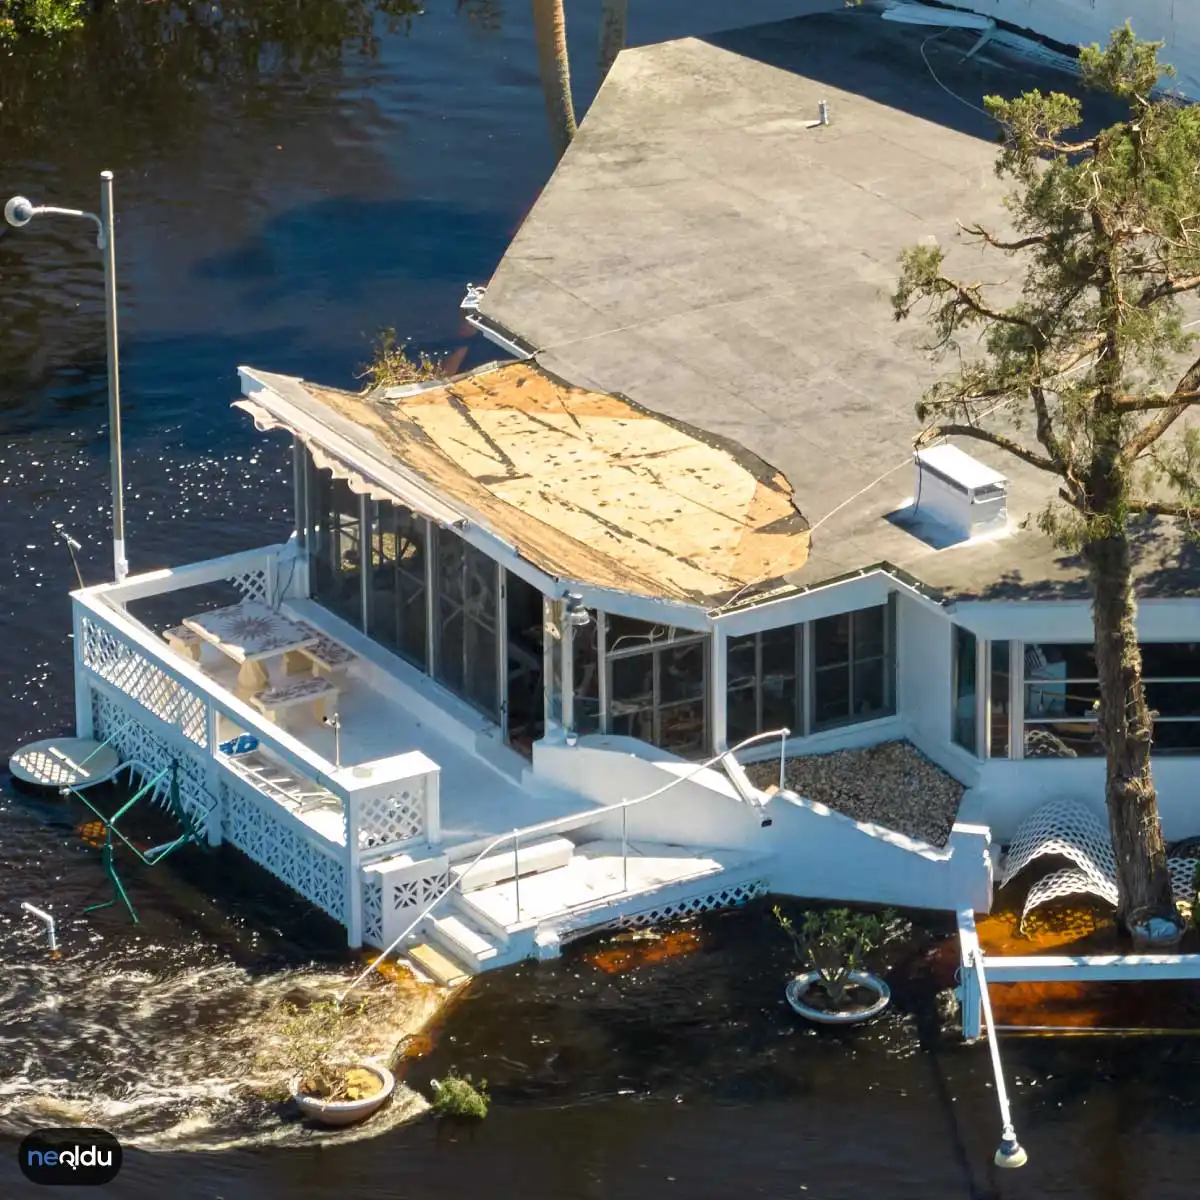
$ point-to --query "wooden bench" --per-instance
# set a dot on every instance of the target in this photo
(184, 641)
(271, 701)
(324, 658)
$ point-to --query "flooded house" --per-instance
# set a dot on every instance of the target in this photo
(661, 611)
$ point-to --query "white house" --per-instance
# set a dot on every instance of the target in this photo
(546, 598)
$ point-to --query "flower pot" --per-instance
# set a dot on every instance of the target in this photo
(799, 987)
(346, 1112)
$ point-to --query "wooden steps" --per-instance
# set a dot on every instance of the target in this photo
(440, 968)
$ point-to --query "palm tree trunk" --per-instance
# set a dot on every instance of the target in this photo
(612, 34)
(1143, 884)
(550, 32)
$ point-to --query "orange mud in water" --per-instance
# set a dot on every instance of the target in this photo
(640, 949)
(1078, 927)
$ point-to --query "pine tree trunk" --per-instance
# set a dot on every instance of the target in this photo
(550, 32)
(1143, 883)
(612, 33)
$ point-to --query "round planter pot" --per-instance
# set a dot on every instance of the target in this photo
(346, 1112)
(798, 988)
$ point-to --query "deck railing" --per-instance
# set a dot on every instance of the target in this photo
(383, 806)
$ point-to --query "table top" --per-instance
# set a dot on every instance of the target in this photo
(251, 630)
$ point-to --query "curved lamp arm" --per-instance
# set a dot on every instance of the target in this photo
(19, 211)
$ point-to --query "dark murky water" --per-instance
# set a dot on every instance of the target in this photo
(290, 179)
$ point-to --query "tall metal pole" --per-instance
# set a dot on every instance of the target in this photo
(120, 565)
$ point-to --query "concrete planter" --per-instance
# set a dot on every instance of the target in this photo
(798, 988)
(337, 1113)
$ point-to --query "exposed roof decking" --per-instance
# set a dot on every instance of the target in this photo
(586, 486)
(703, 251)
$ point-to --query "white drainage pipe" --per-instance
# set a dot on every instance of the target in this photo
(45, 918)
(1010, 1153)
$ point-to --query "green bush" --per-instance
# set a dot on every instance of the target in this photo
(833, 942)
(459, 1098)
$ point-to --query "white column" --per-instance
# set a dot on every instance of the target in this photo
(718, 690)
(83, 692)
(354, 889)
(212, 778)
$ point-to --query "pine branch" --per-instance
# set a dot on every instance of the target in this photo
(1168, 287)
(993, 439)
(1189, 386)
(1037, 239)
(1152, 403)
(1156, 508)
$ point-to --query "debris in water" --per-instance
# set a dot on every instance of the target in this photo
(629, 951)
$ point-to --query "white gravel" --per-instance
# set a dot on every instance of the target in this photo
(892, 784)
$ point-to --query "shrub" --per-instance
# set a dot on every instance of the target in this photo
(312, 1038)
(459, 1098)
(833, 942)
(391, 365)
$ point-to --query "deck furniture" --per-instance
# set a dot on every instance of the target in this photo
(308, 691)
(184, 641)
(251, 633)
(324, 657)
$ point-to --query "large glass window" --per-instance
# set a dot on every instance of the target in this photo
(764, 673)
(466, 609)
(853, 667)
(964, 729)
(658, 685)
(335, 547)
(585, 646)
(398, 560)
(1062, 696)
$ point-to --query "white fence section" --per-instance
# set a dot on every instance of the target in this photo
(157, 707)
(1055, 968)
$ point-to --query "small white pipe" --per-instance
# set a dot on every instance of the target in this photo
(45, 918)
(1010, 1152)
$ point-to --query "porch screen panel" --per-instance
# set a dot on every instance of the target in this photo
(467, 607)
(1171, 673)
(335, 547)
(763, 689)
(398, 558)
(585, 647)
(450, 632)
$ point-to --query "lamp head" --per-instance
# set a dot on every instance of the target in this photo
(18, 211)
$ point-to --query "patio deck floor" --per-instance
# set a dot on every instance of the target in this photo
(477, 800)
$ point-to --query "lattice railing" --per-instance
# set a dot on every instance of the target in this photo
(136, 676)
(134, 742)
(390, 821)
(372, 911)
(299, 861)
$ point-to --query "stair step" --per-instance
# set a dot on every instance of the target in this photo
(464, 938)
(437, 965)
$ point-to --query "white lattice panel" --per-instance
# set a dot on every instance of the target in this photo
(253, 585)
(1064, 828)
(289, 856)
(418, 891)
(135, 743)
(391, 820)
(1068, 830)
(128, 670)
(372, 911)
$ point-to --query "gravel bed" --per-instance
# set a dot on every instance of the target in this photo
(892, 784)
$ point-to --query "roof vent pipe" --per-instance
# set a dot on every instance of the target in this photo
(823, 110)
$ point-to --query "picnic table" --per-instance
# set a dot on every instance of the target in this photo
(250, 633)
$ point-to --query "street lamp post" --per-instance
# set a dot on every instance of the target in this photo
(19, 211)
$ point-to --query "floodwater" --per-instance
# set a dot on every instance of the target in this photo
(291, 179)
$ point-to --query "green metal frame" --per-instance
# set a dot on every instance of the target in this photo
(190, 835)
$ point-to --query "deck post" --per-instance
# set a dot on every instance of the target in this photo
(354, 898)
(212, 781)
(970, 999)
(84, 726)
(517, 871)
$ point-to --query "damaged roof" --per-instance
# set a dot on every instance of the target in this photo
(584, 484)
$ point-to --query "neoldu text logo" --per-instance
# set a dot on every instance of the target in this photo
(72, 1156)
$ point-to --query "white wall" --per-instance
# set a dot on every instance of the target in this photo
(811, 851)
(1082, 22)
(1009, 791)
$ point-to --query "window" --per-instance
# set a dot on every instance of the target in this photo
(999, 732)
(853, 667)
(658, 685)
(466, 608)
(335, 547)
(964, 729)
(397, 597)
(585, 646)
(1061, 695)
(1171, 675)
(764, 674)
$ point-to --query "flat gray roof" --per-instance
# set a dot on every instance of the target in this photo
(703, 251)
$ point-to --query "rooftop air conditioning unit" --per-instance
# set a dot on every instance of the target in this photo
(960, 492)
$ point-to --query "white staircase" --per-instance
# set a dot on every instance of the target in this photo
(516, 907)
